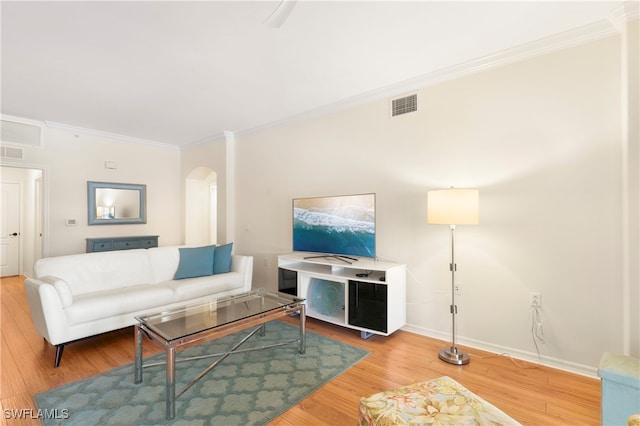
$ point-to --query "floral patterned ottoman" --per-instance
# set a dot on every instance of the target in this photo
(441, 401)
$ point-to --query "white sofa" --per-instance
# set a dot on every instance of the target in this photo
(82, 295)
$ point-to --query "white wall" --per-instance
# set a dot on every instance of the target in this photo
(71, 159)
(540, 139)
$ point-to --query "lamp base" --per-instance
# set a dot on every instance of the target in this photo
(453, 356)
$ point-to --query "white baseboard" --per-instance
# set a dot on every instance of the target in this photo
(547, 361)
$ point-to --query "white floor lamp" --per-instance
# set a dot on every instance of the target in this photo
(453, 207)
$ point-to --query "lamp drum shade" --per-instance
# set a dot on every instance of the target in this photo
(453, 206)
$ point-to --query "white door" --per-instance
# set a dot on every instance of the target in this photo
(9, 229)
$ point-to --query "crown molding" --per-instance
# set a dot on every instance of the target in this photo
(625, 12)
(575, 37)
(22, 120)
(123, 138)
(209, 139)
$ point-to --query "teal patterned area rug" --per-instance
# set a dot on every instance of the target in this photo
(249, 388)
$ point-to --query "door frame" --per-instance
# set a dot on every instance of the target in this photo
(44, 207)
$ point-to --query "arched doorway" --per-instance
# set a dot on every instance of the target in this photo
(201, 207)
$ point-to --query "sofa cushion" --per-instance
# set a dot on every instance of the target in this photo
(185, 290)
(107, 304)
(195, 262)
(164, 263)
(91, 272)
(222, 259)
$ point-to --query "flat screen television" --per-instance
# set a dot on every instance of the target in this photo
(338, 226)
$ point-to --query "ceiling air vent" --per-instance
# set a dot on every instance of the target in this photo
(11, 152)
(404, 105)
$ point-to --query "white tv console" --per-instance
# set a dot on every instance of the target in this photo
(365, 295)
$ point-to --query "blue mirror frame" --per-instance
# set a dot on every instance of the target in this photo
(92, 198)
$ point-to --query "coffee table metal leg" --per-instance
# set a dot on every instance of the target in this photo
(138, 338)
(302, 348)
(171, 383)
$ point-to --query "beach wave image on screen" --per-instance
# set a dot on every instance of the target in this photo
(335, 225)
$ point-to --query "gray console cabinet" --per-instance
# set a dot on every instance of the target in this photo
(121, 243)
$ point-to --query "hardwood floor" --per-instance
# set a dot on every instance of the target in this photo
(532, 395)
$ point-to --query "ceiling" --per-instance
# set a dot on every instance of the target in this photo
(183, 72)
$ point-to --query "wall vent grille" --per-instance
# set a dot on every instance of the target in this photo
(404, 105)
(11, 152)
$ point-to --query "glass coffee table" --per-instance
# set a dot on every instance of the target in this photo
(212, 319)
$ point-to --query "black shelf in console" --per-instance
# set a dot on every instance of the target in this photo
(367, 305)
(288, 281)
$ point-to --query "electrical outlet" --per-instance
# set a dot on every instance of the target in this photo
(535, 299)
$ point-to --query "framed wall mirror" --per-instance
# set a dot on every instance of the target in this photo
(116, 203)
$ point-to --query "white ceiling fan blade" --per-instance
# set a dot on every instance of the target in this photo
(280, 13)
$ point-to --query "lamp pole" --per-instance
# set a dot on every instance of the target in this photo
(452, 355)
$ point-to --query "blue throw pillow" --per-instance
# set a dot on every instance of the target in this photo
(195, 262)
(222, 259)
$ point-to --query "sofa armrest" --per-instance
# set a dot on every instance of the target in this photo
(61, 287)
(47, 311)
(243, 265)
